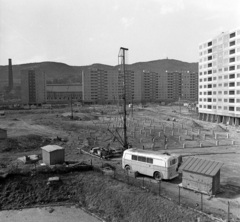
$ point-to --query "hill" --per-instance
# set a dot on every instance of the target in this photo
(62, 73)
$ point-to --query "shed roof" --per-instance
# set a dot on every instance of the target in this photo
(51, 148)
(201, 166)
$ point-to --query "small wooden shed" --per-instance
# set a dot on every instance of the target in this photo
(53, 154)
(201, 175)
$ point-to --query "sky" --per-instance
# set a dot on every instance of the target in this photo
(83, 32)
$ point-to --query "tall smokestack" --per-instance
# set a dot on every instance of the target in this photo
(10, 75)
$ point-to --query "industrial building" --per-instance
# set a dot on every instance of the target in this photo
(33, 87)
(219, 78)
(64, 93)
(106, 86)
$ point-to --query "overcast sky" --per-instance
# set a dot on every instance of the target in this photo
(83, 32)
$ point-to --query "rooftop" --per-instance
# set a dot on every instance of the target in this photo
(201, 166)
(51, 148)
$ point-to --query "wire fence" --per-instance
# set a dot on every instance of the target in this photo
(181, 197)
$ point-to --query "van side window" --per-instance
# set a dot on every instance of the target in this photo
(149, 160)
(134, 157)
(142, 158)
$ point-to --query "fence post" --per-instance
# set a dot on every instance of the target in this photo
(228, 218)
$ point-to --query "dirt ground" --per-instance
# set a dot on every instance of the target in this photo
(30, 130)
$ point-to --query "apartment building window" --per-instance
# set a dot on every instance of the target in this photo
(204, 106)
(238, 83)
(219, 92)
(214, 107)
(209, 64)
(232, 43)
(209, 93)
(214, 100)
(225, 84)
(219, 77)
(238, 100)
(219, 100)
(231, 84)
(219, 107)
(225, 77)
(232, 76)
(220, 84)
(209, 78)
(231, 108)
(209, 50)
(225, 92)
(232, 35)
(232, 59)
(225, 100)
(209, 100)
(209, 71)
(231, 101)
(231, 92)
(205, 93)
(232, 51)
(237, 108)
(225, 107)
(226, 69)
(238, 91)
(210, 43)
(209, 57)
(214, 92)
(200, 106)
(214, 78)
(209, 107)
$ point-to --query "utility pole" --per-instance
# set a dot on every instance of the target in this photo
(121, 54)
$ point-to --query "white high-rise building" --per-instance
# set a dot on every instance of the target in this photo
(219, 78)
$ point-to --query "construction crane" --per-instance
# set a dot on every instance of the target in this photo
(121, 55)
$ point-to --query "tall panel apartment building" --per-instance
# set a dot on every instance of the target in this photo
(106, 86)
(99, 86)
(219, 78)
(33, 87)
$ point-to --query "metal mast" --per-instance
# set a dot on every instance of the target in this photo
(121, 54)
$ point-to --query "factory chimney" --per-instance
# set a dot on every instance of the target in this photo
(10, 75)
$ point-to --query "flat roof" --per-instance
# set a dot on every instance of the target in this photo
(51, 148)
(201, 166)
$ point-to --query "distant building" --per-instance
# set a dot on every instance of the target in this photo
(106, 86)
(33, 87)
(219, 78)
(64, 92)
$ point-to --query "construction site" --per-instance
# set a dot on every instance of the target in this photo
(97, 182)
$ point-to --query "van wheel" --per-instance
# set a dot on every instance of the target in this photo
(127, 168)
(157, 176)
